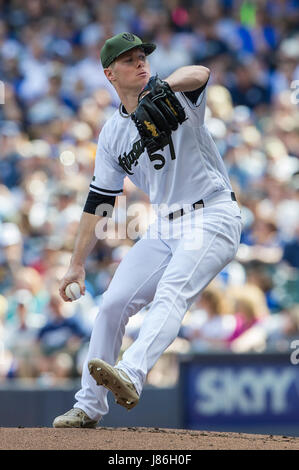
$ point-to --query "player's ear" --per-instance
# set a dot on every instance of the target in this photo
(109, 73)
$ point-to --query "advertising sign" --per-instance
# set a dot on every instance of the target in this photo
(238, 390)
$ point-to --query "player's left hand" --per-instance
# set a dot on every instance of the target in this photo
(158, 114)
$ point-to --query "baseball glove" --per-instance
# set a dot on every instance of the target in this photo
(157, 115)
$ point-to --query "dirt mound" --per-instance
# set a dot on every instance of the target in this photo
(137, 439)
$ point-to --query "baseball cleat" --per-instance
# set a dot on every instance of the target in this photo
(114, 380)
(74, 418)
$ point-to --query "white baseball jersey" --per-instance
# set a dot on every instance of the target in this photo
(159, 270)
(183, 173)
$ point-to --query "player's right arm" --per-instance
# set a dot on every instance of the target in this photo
(84, 243)
(106, 185)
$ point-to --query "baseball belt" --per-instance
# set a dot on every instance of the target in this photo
(196, 205)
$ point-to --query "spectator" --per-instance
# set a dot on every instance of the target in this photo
(249, 308)
(246, 90)
(60, 331)
(11, 252)
(31, 283)
(7, 363)
(291, 250)
(211, 324)
(20, 337)
(168, 57)
(10, 172)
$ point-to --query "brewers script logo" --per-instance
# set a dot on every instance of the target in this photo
(131, 159)
(128, 160)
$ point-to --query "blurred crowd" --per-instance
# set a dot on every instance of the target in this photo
(54, 100)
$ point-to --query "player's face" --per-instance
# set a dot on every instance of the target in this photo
(131, 70)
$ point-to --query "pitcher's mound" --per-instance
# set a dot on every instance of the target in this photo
(137, 439)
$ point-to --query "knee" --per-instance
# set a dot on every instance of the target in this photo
(116, 304)
(169, 298)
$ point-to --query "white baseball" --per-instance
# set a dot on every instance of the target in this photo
(72, 291)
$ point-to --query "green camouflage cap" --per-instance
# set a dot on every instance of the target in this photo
(121, 43)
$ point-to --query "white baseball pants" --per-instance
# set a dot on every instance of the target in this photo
(169, 268)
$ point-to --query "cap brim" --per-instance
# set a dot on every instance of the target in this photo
(147, 47)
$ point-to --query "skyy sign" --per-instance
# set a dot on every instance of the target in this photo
(244, 391)
(239, 389)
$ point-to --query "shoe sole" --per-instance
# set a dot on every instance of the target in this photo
(105, 375)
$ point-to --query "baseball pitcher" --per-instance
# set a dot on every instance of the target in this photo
(158, 139)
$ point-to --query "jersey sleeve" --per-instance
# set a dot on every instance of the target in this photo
(194, 96)
(108, 178)
(194, 103)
